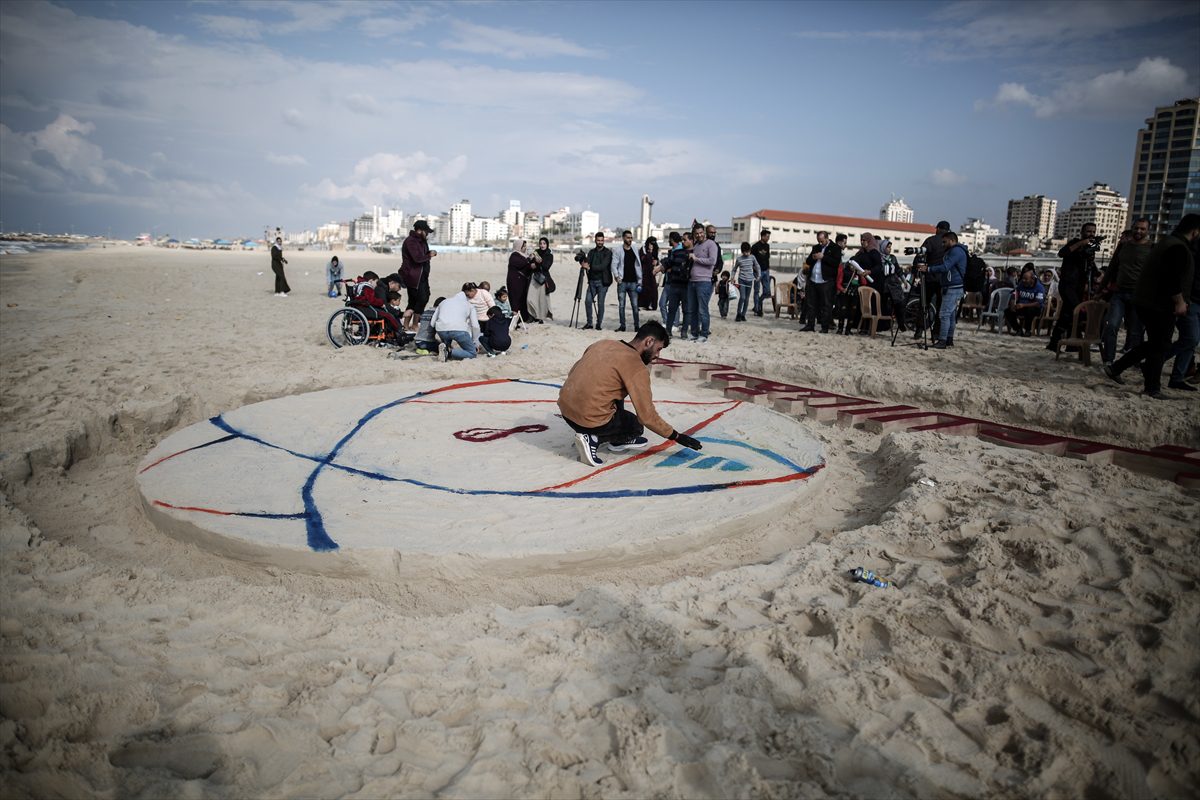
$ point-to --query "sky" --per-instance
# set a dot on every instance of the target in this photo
(219, 119)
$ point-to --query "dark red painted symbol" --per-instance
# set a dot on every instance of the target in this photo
(492, 434)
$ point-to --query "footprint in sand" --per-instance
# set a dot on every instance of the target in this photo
(1105, 567)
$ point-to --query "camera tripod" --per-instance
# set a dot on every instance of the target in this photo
(578, 295)
(919, 314)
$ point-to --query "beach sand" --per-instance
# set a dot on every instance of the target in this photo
(1043, 641)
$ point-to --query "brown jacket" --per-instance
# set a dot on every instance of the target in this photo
(608, 372)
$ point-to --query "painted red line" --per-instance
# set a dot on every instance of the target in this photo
(658, 448)
(486, 402)
(164, 458)
(194, 508)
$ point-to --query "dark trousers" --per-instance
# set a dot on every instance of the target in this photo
(819, 297)
(281, 284)
(418, 298)
(623, 426)
(1152, 352)
(1071, 297)
(1021, 320)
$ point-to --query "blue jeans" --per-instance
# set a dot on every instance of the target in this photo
(1184, 348)
(699, 295)
(764, 290)
(949, 315)
(744, 290)
(629, 290)
(463, 339)
(596, 292)
(1120, 308)
(673, 298)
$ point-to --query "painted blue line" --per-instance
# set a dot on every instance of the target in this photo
(265, 515)
(678, 458)
(778, 459)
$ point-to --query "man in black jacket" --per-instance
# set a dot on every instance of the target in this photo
(599, 276)
(761, 250)
(1078, 267)
(935, 255)
(1162, 293)
(821, 268)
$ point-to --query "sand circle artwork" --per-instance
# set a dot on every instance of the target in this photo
(484, 468)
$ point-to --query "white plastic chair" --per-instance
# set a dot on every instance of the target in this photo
(997, 303)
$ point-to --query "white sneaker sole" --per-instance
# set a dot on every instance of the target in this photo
(585, 451)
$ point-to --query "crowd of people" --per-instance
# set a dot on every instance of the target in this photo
(679, 281)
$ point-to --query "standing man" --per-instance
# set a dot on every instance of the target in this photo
(935, 253)
(277, 262)
(951, 273)
(415, 256)
(599, 266)
(1078, 265)
(821, 269)
(627, 271)
(456, 323)
(1124, 270)
(592, 399)
(700, 287)
(761, 250)
(710, 231)
(677, 272)
(1161, 296)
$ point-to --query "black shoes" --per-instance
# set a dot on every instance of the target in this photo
(1112, 374)
(620, 329)
(940, 345)
(809, 329)
(1156, 395)
(586, 445)
(636, 443)
(1181, 386)
(588, 327)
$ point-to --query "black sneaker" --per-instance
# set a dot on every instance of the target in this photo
(587, 327)
(636, 443)
(1181, 386)
(1156, 395)
(620, 329)
(586, 445)
(1112, 374)
(940, 345)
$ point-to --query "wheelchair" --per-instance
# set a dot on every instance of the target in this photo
(353, 325)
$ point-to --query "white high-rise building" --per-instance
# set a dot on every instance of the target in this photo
(511, 215)
(531, 226)
(460, 222)
(1101, 205)
(975, 234)
(1032, 216)
(896, 210)
(485, 230)
(391, 223)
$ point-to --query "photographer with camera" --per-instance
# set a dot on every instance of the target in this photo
(1076, 274)
(598, 266)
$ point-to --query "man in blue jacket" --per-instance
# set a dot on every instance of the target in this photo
(950, 274)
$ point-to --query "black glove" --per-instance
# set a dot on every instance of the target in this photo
(686, 441)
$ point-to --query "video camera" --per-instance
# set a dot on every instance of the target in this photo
(914, 251)
(1095, 245)
(580, 257)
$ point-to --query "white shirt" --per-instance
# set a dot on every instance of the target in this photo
(456, 314)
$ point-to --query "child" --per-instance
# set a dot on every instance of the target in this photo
(502, 302)
(494, 336)
(723, 294)
(333, 276)
(426, 339)
(482, 300)
(747, 274)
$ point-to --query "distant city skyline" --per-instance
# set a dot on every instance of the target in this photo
(222, 118)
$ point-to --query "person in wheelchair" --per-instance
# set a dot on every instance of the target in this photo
(371, 298)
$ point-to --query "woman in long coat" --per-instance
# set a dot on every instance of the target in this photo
(648, 297)
(539, 299)
(520, 268)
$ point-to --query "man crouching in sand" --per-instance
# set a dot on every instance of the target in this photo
(592, 399)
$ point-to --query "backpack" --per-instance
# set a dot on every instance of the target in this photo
(973, 279)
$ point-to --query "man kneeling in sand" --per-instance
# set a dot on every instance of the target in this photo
(592, 399)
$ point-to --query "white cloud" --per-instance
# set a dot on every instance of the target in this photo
(1154, 81)
(362, 103)
(295, 119)
(287, 160)
(508, 43)
(231, 27)
(392, 178)
(946, 178)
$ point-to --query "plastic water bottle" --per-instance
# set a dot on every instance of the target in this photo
(868, 576)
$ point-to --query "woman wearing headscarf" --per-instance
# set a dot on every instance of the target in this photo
(520, 268)
(539, 299)
(648, 296)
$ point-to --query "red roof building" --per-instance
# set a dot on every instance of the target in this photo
(797, 228)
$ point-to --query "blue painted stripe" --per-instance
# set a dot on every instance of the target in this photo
(778, 459)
